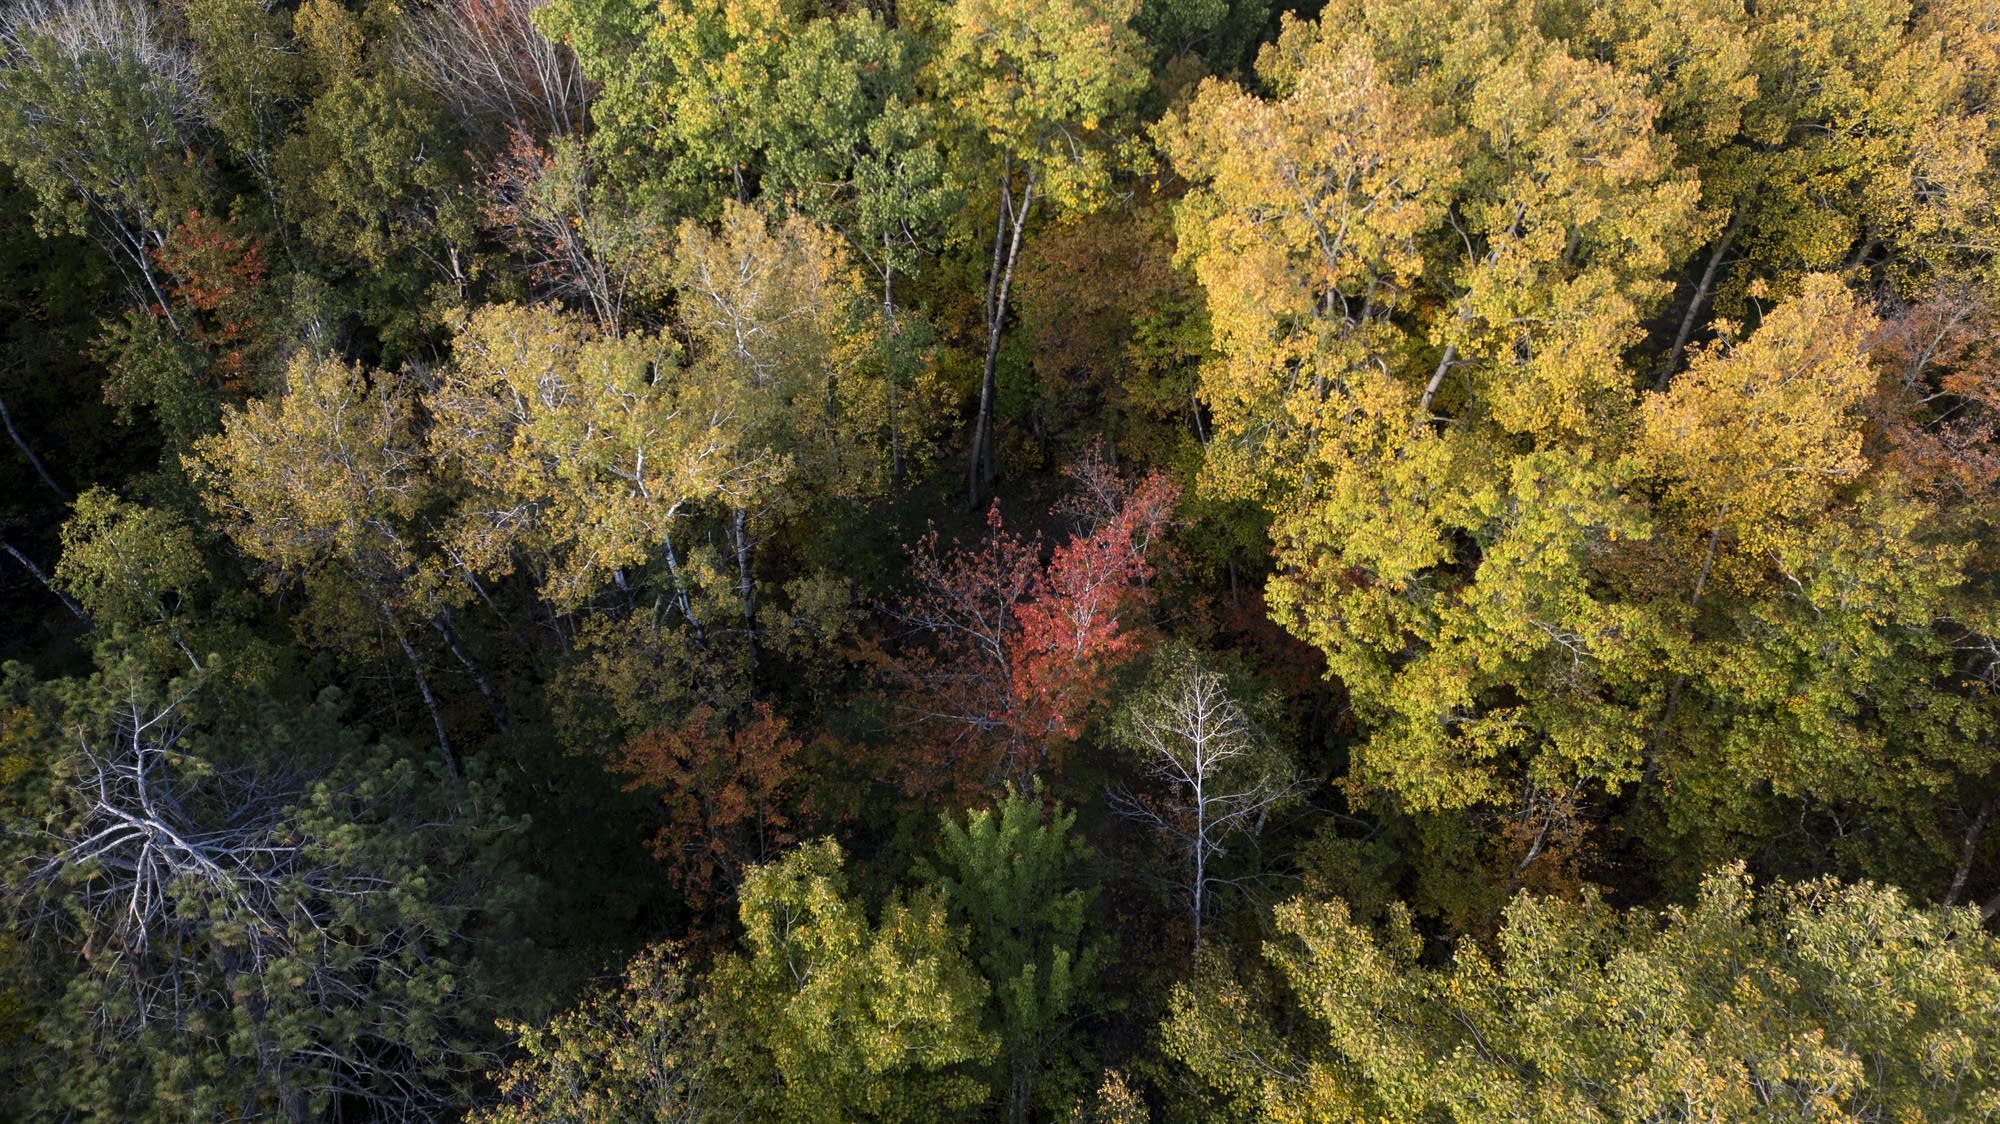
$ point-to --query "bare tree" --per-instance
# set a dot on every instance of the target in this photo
(496, 70)
(544, 202)
(1219, 776)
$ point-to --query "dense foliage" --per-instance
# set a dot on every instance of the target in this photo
(1033, 560)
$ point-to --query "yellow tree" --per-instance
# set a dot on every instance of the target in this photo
(1845, 136)
(324, 484)
(1427, 254)
(578, 452)
(1809, 1000)
(1305, 233)
(784, 345)
(1802, 584)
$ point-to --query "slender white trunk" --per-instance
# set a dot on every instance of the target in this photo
(1000, 279)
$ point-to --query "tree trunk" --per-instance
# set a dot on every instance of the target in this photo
(1000, 278)
(1200, 880)
(1695, 303)
(1017, 1097)
(1969, 852)
(424, 692)
(1437, 377)
(1199, 896)
(442, 622)
(36, 572)
(895, 420)
(681, 599)
(746, 588)
(34, 461)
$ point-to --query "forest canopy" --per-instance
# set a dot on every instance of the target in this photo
(1084, 561)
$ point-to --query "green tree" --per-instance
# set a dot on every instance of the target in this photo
(1425, 258)
(784, 345)
(1010, 874)
(587, 449)
(827, 1016)
(1808, 588)
(247, 908)
(703, 101)
(102, 119)
(1807, 1001)
(375, 178)
(1428, 257)
(253, 82)
(1847, 136)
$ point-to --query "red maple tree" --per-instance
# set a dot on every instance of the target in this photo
(1938, 409)
(1006, 652)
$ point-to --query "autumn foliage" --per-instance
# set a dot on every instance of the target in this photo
(931, 520)
(1006, 650)
(218, 280)
(1940, 402)
(727, 791)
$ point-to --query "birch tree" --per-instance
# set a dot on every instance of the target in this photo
(1216, 776)
(1038, 85)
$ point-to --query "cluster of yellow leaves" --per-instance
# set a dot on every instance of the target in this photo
(1430, 246)
(1811, 1001)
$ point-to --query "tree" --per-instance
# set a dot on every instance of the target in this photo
(728, 791)
(1305, 230)
(95, 94)
(1938, 407)
(1011, 654)
(325, 485)
(253, 81)
(827, 1016)
(579, 452)
(1827, 137)
(781, 342)
(1801, 1001)
(132, 567)
(1114, 1102)
(1010, 874)
(1114, 363)
(497, 72)
(1217, 776)
(376, 179)
(1814, 588)
(639, 1051)
(578, 243)
(1037, 84)
(1429, 256)
(251, 909)
(1425, 257)
(704, 101)
(210, 346)
(802, 112)
(1763, 435)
